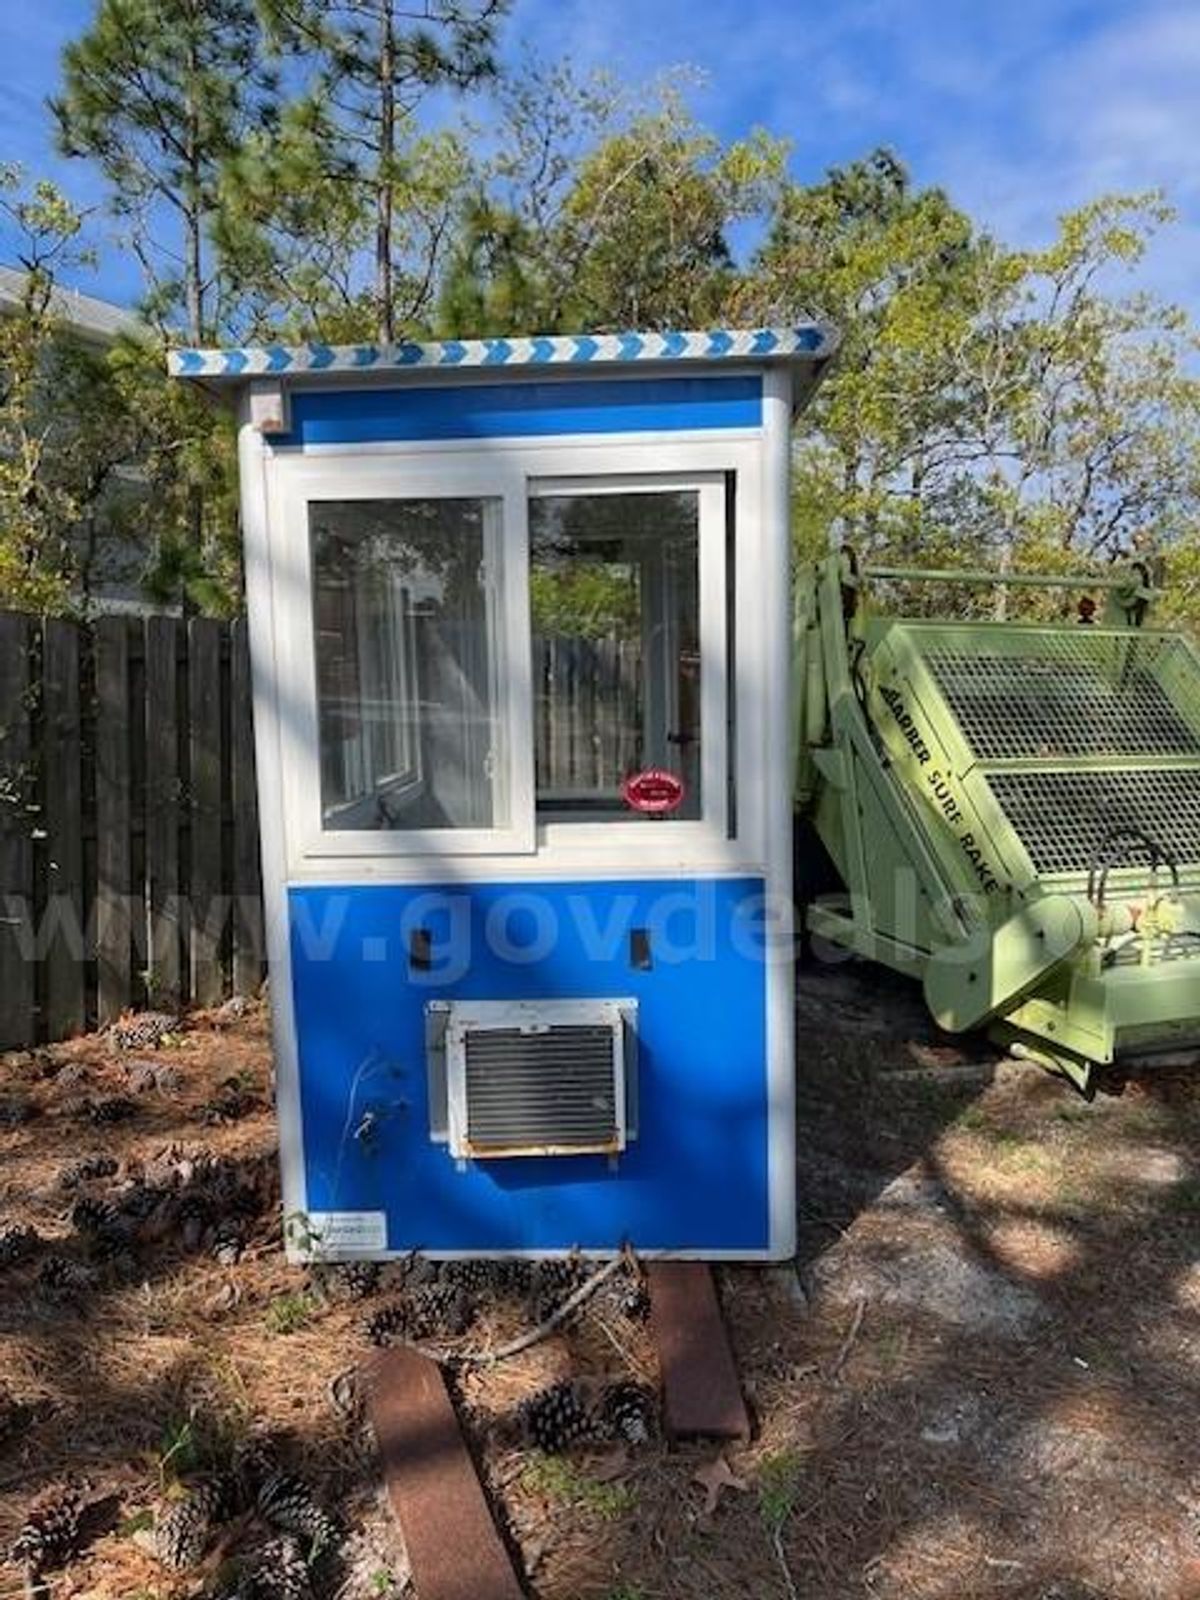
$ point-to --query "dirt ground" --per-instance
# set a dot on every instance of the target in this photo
(981, 1380)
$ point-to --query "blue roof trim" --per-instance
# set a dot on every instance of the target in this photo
(524, 410)
(810, 341)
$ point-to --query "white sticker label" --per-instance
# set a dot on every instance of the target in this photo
(347, 1232)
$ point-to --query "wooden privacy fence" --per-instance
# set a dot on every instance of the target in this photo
(129, 870)
(587, 711)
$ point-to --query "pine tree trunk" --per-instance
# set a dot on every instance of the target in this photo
(193, 289)
(384, 194)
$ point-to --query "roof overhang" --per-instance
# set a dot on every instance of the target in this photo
(806, 348)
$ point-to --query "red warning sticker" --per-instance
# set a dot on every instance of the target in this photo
(653, 791)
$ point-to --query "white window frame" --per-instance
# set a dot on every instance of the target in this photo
(637, 833)
(296, 482)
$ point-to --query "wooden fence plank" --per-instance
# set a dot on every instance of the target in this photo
(206, 906)
(114, 927)
(64, 944)
(248, 953)
(163, 793)
(17, 994)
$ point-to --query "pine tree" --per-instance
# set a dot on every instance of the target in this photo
(375, 61)
(161, 94)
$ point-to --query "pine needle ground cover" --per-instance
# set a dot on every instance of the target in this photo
(982, 1382)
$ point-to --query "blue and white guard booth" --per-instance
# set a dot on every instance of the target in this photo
(520, 639)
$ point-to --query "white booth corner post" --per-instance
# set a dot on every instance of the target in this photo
(521, 650)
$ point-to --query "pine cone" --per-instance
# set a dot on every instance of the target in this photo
(87, 1170)
(632, 1300)
(480, 1276)
(255, 1460)
(278, 1572)
(178, 1163)
(227, 1243)
(231, 1105)
(58, 1275)
(287, 1503)
(556, 1418)
(437, 1310)
(183, 1531)
(17, 1243)
(625, 1413)
(193, 1213)
(111, 1108)
(141, 1077)
(353, 1280)
(49, 1536)
(144, 1030)
(441, 1309)
(140, 1202)
(72, 1075)
(388, 1325)
(92, 1216)
(551, 1282)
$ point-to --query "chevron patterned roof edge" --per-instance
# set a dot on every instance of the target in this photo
(812, 341)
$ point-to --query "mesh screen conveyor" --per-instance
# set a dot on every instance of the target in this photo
(1013, 808)
(1063, 818)
(1091, 719)
(1078, 694)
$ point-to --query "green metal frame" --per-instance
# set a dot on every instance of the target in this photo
(939, 881)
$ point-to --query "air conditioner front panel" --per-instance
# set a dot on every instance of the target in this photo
(537, 1078)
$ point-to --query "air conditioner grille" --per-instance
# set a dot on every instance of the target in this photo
(554, 1086)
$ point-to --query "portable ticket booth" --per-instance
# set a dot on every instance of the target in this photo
(520, 635)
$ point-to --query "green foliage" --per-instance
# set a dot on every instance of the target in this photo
(352, 166)
(779, 1480)
(628, 231)
(179, 1452)
(584, 601)
(288, 1313)
(557, 1478)
(273, 167)
(989, 406)
(160, 94)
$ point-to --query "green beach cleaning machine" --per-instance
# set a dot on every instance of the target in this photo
(1012, 808)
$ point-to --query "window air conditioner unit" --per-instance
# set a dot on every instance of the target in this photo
(533, 1077)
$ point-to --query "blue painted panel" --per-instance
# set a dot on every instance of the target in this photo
(697, 1176)
(523, 410)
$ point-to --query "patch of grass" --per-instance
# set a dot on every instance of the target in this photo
(178, 1450)
(779, 1487)
(288, 1313)
(1018, 1153)
(1074, 1114)
(383, 1585)
(560, 1479)
(974, 1120)
(626, 1591)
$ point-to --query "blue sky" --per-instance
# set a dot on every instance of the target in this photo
(1019, 108)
